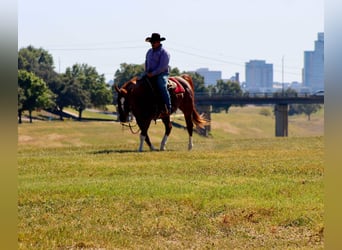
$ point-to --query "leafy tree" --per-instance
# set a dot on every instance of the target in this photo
(174, 72)
(101, 95)
(33, 93)
(307, 109)
(91, 81)
(58, 85)
(77, 97)
(75, 92)
(228, 88)
(84, 87)
(38, 61)
(21, 100)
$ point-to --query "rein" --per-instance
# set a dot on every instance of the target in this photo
(124, 124)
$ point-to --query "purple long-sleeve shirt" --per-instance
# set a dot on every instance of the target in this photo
(157, 61)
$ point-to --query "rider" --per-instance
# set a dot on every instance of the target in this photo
(157, 65)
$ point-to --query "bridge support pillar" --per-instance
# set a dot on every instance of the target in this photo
(281, 120)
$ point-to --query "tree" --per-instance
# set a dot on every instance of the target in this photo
(91, 81)
(33, 93)
(77, 97)
(174, 72)
(307, 109)
(75, 92)
(21, 100)
(84, 87)
(101, 95)
(38, 61)
(228, 88)
(58, 85)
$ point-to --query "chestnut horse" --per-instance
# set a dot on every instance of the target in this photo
(140, 97)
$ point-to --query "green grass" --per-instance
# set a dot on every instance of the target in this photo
(83, 185)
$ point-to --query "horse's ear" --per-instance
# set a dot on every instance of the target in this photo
(117, 88)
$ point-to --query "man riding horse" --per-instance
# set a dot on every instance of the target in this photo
(157, 67)
(138, 97)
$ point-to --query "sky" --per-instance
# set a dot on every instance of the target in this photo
(217, 34)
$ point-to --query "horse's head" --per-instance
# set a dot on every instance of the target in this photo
(124, 94)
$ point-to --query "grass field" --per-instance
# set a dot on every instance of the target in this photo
(82, 185)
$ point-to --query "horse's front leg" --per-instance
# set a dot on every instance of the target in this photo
(144, 136)
(168, 127)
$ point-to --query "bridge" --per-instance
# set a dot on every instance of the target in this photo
(281, 102)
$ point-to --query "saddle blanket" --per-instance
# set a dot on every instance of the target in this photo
(175, 85)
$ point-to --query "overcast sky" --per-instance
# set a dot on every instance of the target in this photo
(216, 34)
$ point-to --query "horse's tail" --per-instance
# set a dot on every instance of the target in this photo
(198, 119)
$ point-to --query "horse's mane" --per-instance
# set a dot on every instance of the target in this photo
(127, 86)
(132, 81)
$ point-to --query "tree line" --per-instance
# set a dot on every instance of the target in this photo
(41, 87)
(81, 86)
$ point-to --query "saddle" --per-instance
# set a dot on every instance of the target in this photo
(175, 86)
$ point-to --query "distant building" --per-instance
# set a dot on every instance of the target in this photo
(235, 78)
(313, 72)
(259, 75)
(210, 76)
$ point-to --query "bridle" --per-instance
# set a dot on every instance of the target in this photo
(128, 124)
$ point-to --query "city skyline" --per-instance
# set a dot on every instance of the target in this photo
(259, 73)
(220, 35)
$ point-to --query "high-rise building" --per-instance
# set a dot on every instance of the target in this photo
(259, 75)
(210, 76)
(313, 72)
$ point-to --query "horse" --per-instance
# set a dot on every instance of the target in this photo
(140, 97)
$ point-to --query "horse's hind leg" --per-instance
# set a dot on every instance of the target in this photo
(149, 143)
(189, 127)
(168, 127)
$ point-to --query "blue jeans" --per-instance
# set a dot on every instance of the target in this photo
(162, 85)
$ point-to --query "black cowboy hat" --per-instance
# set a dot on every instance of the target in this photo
(154, 38)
